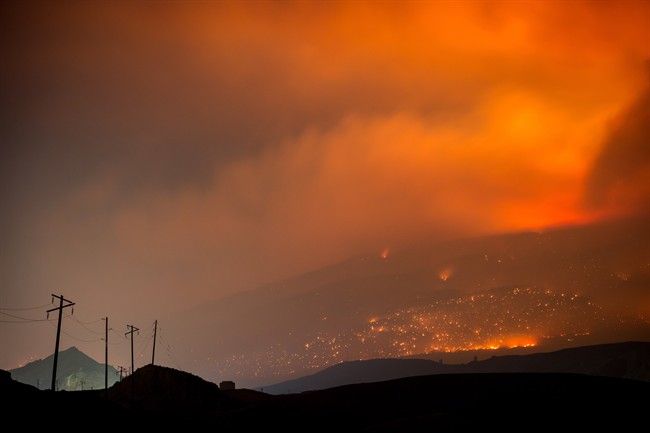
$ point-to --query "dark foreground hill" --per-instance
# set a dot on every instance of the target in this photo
(630, 360)
(165, 398)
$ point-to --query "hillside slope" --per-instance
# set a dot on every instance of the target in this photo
(75, 372)
(441, 403)
(623, 360)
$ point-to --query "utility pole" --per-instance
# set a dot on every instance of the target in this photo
(106, 360)
(58, 332)
(155, 328)
(132, 329)
(120, 370)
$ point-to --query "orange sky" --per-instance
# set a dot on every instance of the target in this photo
(174, 152)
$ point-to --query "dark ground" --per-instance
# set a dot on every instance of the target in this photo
(164, 398)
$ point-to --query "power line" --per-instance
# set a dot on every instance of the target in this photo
(146, 340)
(119, 335)
(122, 339)
(144, 346)
(77, 338)
(23, 319)
(26, 309)
(168, 348)
(145, 336)
(81, 339)
(85, 327)
(171, 356)
(90, 322)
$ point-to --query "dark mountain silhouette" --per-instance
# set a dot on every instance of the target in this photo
(170, 399)
(629, 360)
(75, 372)
(302, 324)
(456, 402)
(623, 360)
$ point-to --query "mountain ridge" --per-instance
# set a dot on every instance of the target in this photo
(604, 264)
(439, 402)
(76, 371)
(629, 360)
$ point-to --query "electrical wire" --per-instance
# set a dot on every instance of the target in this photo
(172, 357)
(26, 309)
(144, 336)
(122, 336)
(146, 339)
(121, 340)
(76, 338)
(81, 339)
(144, 347)
(101, 319)
(168, 348)
(23, 319)
(85, 327)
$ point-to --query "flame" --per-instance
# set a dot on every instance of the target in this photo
(512, 342)
(445, 273)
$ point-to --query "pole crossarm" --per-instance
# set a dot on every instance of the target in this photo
(132, 330)
(62, 299)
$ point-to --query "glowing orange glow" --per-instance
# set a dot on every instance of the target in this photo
(509, 343)
(623, 276)
(26, 361)
(221, 146)
(445, 274)
(512, 342)
(490, 118)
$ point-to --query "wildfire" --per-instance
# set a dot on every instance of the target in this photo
(445, 274)
(512, 342)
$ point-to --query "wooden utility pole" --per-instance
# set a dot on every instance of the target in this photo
(106, 360)
(155, 329)
(58, 333)
(132, 329)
